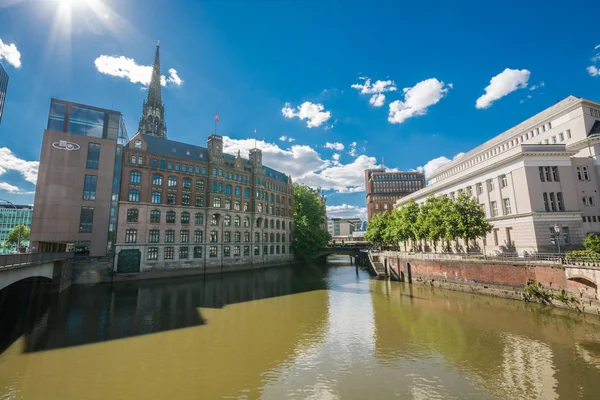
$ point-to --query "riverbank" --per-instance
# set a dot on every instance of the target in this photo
(573, 287)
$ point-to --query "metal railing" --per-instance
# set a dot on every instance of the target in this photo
(22, 259)
(546, 258)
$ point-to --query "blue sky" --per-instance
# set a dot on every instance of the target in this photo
(287, 68)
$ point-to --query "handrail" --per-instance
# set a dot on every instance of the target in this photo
(553, 258)
(23, 259)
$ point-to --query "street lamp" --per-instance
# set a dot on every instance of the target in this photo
(557, 236)
(16, 218)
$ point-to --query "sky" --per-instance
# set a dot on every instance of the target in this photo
(331, 87)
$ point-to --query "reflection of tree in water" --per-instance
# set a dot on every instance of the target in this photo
(103, 312)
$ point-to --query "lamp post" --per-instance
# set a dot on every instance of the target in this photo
(557, 236)
(16, 218)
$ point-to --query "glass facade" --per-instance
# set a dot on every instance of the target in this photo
(10, 218)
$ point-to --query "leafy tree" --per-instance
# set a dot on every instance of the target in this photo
(434, 221)
(592, 243)
(309, 219)
(376, 230)
(470, 219)
(407, 220)
(13, 236)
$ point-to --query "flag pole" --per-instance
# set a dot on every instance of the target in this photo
(254, 137)
(216, 115)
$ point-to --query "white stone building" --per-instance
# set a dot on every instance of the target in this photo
(539, 174)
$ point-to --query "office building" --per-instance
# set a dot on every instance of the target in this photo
(3, 89)
(76, 197)
(538, 177)
(384, 188)
(343, 226)
(187, 206)
(10, 217)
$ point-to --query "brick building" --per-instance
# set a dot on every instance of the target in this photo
(183, 205)
(385, 188)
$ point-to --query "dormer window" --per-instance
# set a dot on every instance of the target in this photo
(138, 144)
(187, 153)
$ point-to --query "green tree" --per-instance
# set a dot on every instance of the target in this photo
(13, 236)
(309, 220)
(592, 243)
(470, 220)
(407, 220)
(434, 221)
(377, 231)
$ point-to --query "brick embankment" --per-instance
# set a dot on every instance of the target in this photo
(501, 279)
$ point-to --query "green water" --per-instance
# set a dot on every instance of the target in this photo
(298, 332)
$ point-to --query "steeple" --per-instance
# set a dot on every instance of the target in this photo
(153, 111)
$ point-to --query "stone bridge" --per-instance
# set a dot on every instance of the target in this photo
(51, 267)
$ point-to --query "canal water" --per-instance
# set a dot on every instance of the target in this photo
(299, 332)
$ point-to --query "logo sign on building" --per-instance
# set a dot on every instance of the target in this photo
(64, 145)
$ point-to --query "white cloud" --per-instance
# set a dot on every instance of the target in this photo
(124, 67)
(12, 189)
(336, 158)
(10, 53)
(539, 85)
(334, 146)
(311, 112)
(376, 90)
(352, 150)
(286, 139)
(435, 164)
(503, 84)
(10, 162)
(347, 211)
(305, 165)
(593, 70)
(417, 99)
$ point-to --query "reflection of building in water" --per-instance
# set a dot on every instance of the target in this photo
(528, 369)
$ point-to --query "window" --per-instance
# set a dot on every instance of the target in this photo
(214, 236)
(272, 238)
(169, 165)
(162, 164)
(246, 237)
(265, 237)
(86, 219)
(227, 189)
(171, 199)
(217, 202)
(199, 218)
(156, 197)
(237, 191)
(282, 249)
(170, 236)
(257, 237)
(559, 202)
(157, 180)
(246, 206)
(197, 252)
(236, 220)
(199, 185)
(132, 215)
(555, 174)
(227, 220)
(495, 237)
(591, 201)
(152, 253)
(552, 202)
(135, 177)
(246, 251)
(504, 181)
(494, 208)
(172, 182)
(212, 251)
(236, 251)
(134, 195)
(227, 204)
(265, 250)
(236, 205)
(185, 218)
(490, 183)
(184, 237)
(199, 201)
(185, 200)
(277, 224)
(183, 253)
(168, 253)
(257, 250)
(197, 236)
(154, 236)
(565, 232)
(226, 251)
(176, 166)
(272, 250)
(272, 223)
(548, 174)
(247, 222)
(546, 204)
(583, 174)
(236, 237)
(187, 184)
(89, 187)
(155, 217)
(171, 217)
(479, 188)
(131, 236)
(227, 236)
(214, 220)
(154, 163)
(93, 156)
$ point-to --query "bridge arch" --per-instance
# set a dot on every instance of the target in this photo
(8, 276)
(584, 280)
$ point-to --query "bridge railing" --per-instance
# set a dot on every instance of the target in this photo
(546, 258)
(17, 259)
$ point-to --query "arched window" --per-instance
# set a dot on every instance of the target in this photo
(227, 189)
(246, 206)
(236, 220)
(266, 223)
(246, 192)
(270, 210)
(172, 183)
(217, 202)
(258, 222)
(277, 238)
(283, 225)
(187, 184)
(271, 197)
(171, 216)
(156, 197)
(199, 218)
(272, 240)
(246, 221)
(185, 217)
(272, 248)
(135, 177)
(272, 224)
(227, 220)
(277, 224)
(157, 180)
(171, 199)
(277, 199)
(155, 217)
(237, 191)
(259, 207)
(214, 220)
(134, 195)
(277, 248)
(277, 211)
(185, 200)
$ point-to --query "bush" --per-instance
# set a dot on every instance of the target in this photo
(592, 243)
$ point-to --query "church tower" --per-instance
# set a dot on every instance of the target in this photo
(152, 122)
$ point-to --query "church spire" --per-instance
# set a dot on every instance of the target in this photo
(153, 111)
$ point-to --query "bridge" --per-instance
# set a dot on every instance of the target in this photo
(46, 266)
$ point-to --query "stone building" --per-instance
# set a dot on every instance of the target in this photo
(384, 188)
(538, 182)
(186, 206)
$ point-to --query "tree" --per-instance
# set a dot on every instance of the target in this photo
(407, 220)
(434, 218)
(592, 243)
(470, 219)
(377, 233)
(13, 236)
(309, 219)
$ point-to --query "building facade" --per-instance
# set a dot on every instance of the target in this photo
(10, 217)
(534, 179)
(3, 89)
(343, 226)
(384, 188)
(78, 180)
(187, 206)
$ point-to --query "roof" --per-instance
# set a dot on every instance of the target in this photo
(595, 129)
(276, 175)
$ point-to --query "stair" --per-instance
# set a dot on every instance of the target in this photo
(377, 267)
